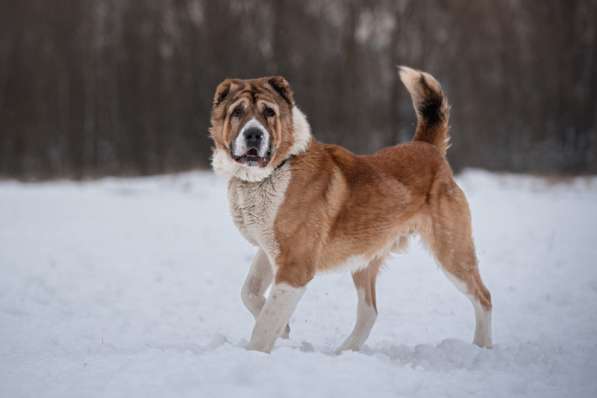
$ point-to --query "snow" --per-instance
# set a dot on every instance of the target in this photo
(131, 287)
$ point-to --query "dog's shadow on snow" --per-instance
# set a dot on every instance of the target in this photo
(449, 354)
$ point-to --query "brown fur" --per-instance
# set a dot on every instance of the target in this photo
(339, 205)
(359, 204)
(253, 94)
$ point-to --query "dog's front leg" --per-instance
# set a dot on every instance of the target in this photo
(258, 280)
(274, 315)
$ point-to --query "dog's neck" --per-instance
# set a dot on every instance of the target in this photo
(283, 169)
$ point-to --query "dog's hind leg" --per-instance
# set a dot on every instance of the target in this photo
(481, 300)
(364, 281)
(258, 280)
(450, 239)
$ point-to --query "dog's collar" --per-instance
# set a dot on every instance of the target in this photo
(284, 162)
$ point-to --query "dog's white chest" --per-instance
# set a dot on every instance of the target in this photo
(254, 206)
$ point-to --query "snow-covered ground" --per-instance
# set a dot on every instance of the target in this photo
(130, 288)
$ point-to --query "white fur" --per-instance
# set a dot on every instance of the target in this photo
(352, 264)
(482, 316)
(254, 206)
(302, 132)
(240, 144)
(482, 326)
(225, 166)
(366, 316)
(356, 263)
(274, 315)
(259, 278)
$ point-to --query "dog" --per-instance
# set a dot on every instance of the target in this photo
(310, 207)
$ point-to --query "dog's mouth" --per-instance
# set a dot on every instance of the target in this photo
(252, 158)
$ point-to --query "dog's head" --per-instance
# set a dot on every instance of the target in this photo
(255, 127)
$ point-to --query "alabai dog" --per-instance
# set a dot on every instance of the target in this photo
(310, 207)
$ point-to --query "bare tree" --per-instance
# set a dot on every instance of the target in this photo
(96, 87)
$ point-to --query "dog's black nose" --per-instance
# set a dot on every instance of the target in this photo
(253, 137)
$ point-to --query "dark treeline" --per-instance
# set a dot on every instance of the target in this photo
(98, 87)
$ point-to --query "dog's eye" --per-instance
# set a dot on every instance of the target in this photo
(237, 112)
(268, 112)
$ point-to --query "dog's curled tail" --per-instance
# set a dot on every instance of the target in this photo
(431, 105)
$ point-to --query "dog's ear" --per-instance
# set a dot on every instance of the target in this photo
(282, 87)
(222, 91)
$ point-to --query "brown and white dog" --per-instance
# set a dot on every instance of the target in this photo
(312, 207)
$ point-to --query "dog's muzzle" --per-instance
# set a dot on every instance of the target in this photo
(253, 138)
(252, 145)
